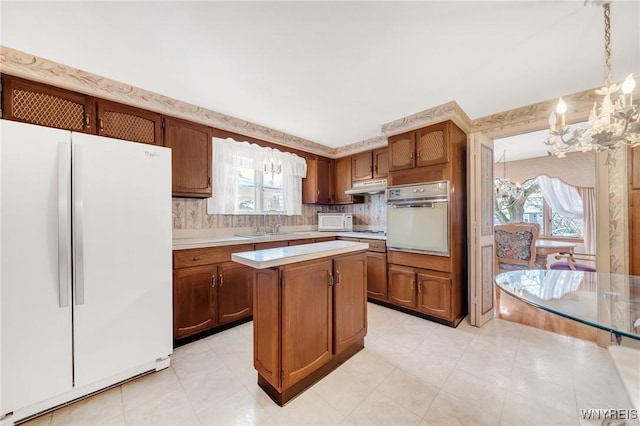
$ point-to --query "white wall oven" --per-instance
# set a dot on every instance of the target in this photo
(418, 218)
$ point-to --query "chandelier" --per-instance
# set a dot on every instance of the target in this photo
(272, 165)
(506, 191)
(613, 123)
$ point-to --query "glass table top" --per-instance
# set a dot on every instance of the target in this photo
(606, 301)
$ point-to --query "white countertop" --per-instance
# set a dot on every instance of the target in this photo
(269, 258)
(228, 240)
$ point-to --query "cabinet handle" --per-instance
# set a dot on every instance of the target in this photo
(87, 121)
(330, 280)
(413, 285)
(337, 277)
(376, 168)
(418, 154)
(195, 259)
(411, 155)
(101, 124)
(221, 280)
(213, 280)
(419, 288)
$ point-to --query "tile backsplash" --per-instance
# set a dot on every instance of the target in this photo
(191, 213)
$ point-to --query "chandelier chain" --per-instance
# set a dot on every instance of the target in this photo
(607, 43)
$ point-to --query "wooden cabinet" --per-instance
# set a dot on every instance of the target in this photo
(434, 295)
(377, 275)
(380, 163)
(431, 145)
(402, 149)
(421, 148)
(209, 290)
(370, 165)
(362, 166)
(194, 300)
(44, 105)
(317, 187)
(190, 145)
(402, 286)
(350, 294)
(344, 182)
(309, 318)
(234, 292)
(128, 123)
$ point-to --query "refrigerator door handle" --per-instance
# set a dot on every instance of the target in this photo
(78, 249)
(64, 222)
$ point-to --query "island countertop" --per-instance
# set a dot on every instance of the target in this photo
(269, 258)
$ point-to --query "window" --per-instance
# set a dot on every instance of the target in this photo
(241, 184)
(528, 205)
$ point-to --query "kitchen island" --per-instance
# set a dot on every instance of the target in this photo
(309, 312)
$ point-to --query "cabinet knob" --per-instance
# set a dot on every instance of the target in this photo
(221, 280)
(195, 259)
(213, 280)
(101, 125)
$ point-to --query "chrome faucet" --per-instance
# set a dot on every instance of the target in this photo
(271, 229)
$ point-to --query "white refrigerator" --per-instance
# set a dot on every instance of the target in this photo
(85, 265)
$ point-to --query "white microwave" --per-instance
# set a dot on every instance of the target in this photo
(335, 222)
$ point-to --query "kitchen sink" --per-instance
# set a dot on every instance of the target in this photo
(261, 235)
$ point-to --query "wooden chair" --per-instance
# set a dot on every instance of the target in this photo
(516, 246)
(570, 262)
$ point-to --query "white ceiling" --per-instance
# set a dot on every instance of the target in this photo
(333, 72)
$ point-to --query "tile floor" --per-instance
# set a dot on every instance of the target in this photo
(412, 372)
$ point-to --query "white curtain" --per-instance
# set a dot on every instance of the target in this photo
(589, 207)
(229, 156)
(563, 199)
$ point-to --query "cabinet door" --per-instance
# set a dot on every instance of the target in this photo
(402, 286)
(234, 292)
(434, 295)
(128, 123)
(306, 319)
(45, 105)
(380, 163)
(350, 300)
(362, 166)
(377, 275)
(194, 300)
(324, 181)
(343, 181)
(190, 145)
(266, 324)
(432, 145)
(402, 151)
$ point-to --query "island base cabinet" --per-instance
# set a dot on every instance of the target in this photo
(308, 318)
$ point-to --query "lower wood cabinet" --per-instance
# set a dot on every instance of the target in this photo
(194, 300)
(402, 286)
(377, 276)
(427, 292)
(209, 295)
(309, 317)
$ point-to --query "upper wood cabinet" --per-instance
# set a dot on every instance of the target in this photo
(431, 145)
(402, 150)
(317, 187)
(380, 163)
(362, 166)
(370, 165)
(343, 181)
(419, 148)
(128, 123)
(44, 105)
(190, 145)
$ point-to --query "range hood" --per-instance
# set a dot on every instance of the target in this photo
(377, 186)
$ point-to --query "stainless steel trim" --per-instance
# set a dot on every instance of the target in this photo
(78, 248)
(64, 222)
(366, 190)
(413, 204)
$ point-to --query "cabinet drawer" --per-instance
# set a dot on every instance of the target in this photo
(206, 256)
